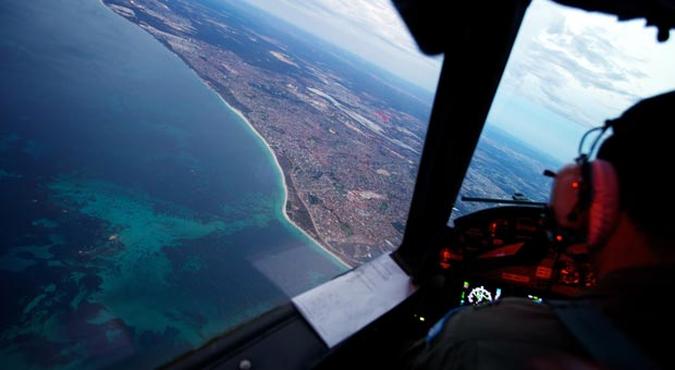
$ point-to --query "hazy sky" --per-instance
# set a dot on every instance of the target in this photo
(371, 29)
(569, 69)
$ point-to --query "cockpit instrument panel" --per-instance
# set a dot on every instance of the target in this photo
(517, 250)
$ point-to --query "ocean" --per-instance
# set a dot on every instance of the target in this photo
(140, 216)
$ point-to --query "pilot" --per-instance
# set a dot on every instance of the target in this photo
(622, 206)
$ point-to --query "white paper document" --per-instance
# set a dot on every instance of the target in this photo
(346, 304)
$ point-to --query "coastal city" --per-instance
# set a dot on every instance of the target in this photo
(347, 136)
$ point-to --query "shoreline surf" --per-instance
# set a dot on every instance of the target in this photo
(323, 248)
(281, 173)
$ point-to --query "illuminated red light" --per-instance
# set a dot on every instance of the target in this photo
(518, 278)
(544, 272)
(446, 256)
(559, 238)
(575, 184)
(508, 250)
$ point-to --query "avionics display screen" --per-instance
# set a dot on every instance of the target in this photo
(477, 293)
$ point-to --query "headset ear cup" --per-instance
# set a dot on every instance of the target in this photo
(604, 207)
(565, 198)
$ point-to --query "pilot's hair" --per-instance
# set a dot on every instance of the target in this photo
(640, 149)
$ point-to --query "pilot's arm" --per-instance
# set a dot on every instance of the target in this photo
(511, 334)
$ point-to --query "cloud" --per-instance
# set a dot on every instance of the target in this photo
(376, 17)
(585, 67)
(371, 29)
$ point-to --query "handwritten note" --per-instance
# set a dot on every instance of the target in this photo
(346, 304)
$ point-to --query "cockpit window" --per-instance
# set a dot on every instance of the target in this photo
(170, 169)
(365, 95)
(569, 71)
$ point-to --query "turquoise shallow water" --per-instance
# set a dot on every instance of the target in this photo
(140, 216)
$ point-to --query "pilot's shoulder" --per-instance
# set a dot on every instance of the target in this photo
(504, 335)
(508, 319)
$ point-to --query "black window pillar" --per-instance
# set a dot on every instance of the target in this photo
(476, 39)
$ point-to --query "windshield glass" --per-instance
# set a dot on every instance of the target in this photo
(569, 71)
(171, 169)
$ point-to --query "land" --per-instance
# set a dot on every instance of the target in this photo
(347, 135)
(501, 167)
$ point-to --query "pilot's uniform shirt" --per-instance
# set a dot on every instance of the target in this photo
(516, 333)
(504, 335)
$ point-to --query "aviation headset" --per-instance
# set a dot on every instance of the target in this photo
(585, 196)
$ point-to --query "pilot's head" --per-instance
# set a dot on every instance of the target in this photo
(624, 197)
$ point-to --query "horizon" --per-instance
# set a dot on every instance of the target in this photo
(568, 67)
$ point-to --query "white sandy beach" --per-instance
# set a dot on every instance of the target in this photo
(274, 156)
(281, 173)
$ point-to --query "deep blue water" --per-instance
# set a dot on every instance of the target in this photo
(139, 215)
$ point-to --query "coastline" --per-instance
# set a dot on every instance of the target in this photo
(279, 168)
(322, 247)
